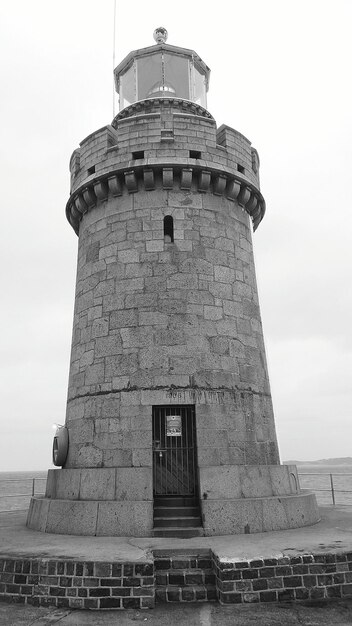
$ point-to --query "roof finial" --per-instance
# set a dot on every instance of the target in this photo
(160, 34)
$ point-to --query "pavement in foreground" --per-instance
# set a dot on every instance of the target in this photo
(329, 614)
(332, 534)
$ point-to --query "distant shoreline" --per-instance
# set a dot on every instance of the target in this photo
(342, 461)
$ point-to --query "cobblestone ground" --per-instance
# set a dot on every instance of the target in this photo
(332, 613)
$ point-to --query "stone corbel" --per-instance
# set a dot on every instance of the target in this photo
(204, 181)
(257, 215)
(219, 185)
(233, 189)
(101, 190)
(258, 212)
(80, 204)
(73, 222)
(89, 197)
(76, 215)
(186, 178)
(131, 181)
(251, 204)
(149, 182)
(168, 177)
(244, 196)
(114, 186)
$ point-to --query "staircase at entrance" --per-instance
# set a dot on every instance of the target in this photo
(177, 516)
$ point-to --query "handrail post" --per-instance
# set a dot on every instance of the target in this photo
(33, 486)
(332, 489)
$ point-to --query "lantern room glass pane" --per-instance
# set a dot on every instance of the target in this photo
(199, 88)
(128, 88)
(162, 74)
(149, 76)
(177, 75)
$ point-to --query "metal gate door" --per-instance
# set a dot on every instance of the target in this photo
(174, 450)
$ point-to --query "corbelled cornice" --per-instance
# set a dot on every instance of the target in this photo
(146, 177)
(155, 104)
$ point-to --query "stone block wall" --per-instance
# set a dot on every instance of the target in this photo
(142, 127)
(153, 317)
(166, 320)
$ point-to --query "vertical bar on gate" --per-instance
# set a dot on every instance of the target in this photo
(193, 426)
(182, 451)
(177, 464)
(167, 455)
(162, 446)
(191, 412)
(332, 489)
(157, 456)
(185, 449)
(153, 452)
(33, 486)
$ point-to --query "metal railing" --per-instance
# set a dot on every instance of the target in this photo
(332, 486)
(332, 489)
(31, 492)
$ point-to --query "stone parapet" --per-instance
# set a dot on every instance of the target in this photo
(164, 143)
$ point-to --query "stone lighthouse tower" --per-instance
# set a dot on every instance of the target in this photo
(169, 427)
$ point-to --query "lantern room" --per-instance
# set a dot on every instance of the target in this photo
(162, 71)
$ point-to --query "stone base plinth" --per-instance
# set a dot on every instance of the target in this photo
(101, 483)
(258, 515)
(118, 502)
(110, 502)
(107, 518)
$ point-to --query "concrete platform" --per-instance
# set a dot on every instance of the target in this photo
(332, 534)
(313, 563)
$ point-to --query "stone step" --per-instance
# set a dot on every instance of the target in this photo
(182, 559)
(176, 522)
(175, 501)
(185, 578)
(181, 533)
(176, 511)
(196, 593)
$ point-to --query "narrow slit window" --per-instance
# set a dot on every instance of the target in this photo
(91, 170)
(139, 154)
(240, 168)
(168, 229)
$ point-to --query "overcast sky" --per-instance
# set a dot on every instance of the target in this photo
(281, 75)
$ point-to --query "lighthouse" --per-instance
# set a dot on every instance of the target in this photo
(169, 428)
